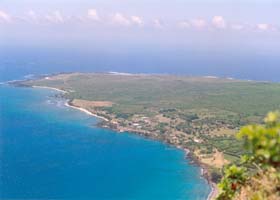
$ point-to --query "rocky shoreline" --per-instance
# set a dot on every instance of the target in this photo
(188, 155)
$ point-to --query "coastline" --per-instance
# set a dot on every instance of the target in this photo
(188, 154)
(214, 192)
(84, 111)
(68, 104)
(51, 88)
(204, 171)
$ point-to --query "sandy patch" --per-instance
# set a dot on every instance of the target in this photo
(217, 160)
(162, 119)
(224, 131)
(91, 104)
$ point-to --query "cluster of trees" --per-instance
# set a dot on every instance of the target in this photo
(189, 117)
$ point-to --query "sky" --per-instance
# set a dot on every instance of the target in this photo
(204, 24)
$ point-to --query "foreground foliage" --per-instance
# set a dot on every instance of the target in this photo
(258, 175)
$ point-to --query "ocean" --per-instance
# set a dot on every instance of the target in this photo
(236, 63)
(50, 151)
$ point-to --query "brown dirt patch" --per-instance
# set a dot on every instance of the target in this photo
(88, 104)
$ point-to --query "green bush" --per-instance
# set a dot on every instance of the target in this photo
(263, 145)
(263, 141)
(234, 178)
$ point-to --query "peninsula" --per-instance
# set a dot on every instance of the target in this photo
(198, 114)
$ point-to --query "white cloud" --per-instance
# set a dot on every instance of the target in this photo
(157, 23)
(219, 22)
(5, 17)
(93, 15)
(237, 27)
(184, 24)
(198, 23)
(120, 19)
(263, 27)
(31, 16)
(55, 17)
(137, 20)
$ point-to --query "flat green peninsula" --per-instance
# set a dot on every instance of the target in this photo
(201, 114)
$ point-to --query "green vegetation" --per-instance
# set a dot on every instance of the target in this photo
(138, 93)
(258, 175)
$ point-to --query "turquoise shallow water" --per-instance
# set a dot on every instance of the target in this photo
(49, 151)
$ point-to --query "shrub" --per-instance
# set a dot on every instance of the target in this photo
(247, 181)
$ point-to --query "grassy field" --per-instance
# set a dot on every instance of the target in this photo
(199, 113)
(133, 94)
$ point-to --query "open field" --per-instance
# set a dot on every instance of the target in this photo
(198, 113)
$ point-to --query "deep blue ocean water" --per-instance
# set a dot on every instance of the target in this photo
(49, 151)
(237, 63)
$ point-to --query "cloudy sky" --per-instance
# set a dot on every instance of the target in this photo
(205, 24)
